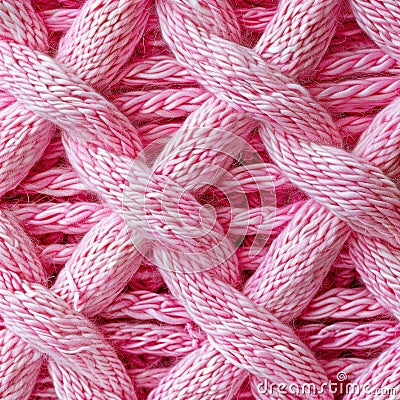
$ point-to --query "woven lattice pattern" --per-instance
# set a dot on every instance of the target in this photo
(199, 199)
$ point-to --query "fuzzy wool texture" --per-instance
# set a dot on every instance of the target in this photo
(199, 199)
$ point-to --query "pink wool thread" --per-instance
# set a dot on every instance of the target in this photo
(199, 197)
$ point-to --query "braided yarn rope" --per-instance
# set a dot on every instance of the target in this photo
(199, 199)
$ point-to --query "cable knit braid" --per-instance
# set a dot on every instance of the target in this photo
(204, 207)
(294, 348)
(265, 368)
(275, 143)
(213, 307)
(67, 337)
(121, 388)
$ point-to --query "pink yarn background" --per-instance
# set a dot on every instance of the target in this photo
(199, 197)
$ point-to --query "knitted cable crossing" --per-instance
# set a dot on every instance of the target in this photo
(200, 199)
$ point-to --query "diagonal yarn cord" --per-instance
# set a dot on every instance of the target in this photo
(26, 386)
(288, 337)
(391, 146)
(120, 284)
(14, 50)
(174, 386)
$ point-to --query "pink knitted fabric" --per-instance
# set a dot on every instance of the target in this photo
(199, 199)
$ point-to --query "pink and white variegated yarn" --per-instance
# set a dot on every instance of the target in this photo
(199, 199)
